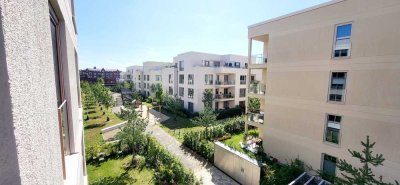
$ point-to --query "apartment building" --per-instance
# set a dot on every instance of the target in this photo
(110, 76)
(332, 75)
(40, 114)
(225, 75)
(144, 77)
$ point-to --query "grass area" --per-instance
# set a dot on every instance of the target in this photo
(114, 168)
(97, 122)
(148, 104)
(177, 126)
(234, 142)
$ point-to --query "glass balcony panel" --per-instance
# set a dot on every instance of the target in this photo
(257, 88)
(255, 117)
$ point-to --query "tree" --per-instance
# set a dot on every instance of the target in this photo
(254, 105)
(132, 136)
(208, 98)
(364, 175)
(206, 118)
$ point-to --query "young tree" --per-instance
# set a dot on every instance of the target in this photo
(254, 105)
(364, 175)
(206, 118)
(208, 98)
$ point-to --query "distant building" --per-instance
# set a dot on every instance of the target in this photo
(110, 76)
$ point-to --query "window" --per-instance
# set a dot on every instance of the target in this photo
(190, 106)
(181, 79)
(206, 63)
(329, 165)
(226, 105)
(237, 64)
(242, 79)
(62, 104)
(337, 86)
(216, 105)
(190, 79)
(332, 132)
(342, 43)
(190, 93)
(208, 79)
(252, 78)
(170, 79)
(217, 63)
(181, 68)
(148, 77)
(242, 104)
(170, 91)
(181, 91)
(158, 77)
(242, 92)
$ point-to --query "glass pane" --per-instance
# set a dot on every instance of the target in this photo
(329, 165)
(343, 31)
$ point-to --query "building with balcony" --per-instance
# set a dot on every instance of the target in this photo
(110, 76)
(330, 77)
(41, 125)
(225, 75)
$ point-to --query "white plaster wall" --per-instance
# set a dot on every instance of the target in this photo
(28, 63)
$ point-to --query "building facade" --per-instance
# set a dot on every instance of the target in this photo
(111, 76)
(332, 75)
(40, 114)
(224, 75)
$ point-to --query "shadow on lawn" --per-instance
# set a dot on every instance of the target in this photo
(122, 179)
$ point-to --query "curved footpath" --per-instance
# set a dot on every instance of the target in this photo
(202, 170)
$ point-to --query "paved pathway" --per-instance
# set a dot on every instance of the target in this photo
(207, 172)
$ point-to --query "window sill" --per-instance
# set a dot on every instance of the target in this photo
(337, 102)
(341, 58)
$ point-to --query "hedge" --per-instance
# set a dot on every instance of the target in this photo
(229, 113)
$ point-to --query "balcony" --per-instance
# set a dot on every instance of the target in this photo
(258, 59)
(224, 96)
(209, 82)
(255, 117)
(257, 88)
(229, 82)
(242, 82)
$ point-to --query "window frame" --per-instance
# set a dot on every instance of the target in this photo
(345, 87)
(323, 162)
(335, 40)
(326, 128)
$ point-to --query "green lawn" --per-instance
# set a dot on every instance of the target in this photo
(114, 168)
(234, 142)
(96, 122)
(177, 127)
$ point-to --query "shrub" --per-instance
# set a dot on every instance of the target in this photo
(282, 174)
(139, 161)
(229, 113)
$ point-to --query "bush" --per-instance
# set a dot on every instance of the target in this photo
(276, 173)
(139, 161)
(229, 113)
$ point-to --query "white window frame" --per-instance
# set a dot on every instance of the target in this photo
(335, 40)
(345, 88)
(326, 128)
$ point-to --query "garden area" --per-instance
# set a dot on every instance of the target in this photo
(134, 157)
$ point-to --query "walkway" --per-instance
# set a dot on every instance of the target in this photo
(207, 172)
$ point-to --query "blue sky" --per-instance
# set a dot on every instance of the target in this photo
(120, 33)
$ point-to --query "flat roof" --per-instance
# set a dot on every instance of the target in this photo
(297, 12)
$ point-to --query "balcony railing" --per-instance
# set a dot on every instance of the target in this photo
(224, 96)
(230, 82)
(258, 59)
(209, 82)
(242, 82)
(257, 88)
(255, 117)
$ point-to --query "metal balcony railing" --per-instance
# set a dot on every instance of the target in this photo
(242, 82)
(255, 117)
(224, 96)
(257, 88)
(209, 82)
(229, 82)
(258, 59)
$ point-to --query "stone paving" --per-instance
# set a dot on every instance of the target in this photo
(202, 170)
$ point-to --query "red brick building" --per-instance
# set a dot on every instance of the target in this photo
(110, 76)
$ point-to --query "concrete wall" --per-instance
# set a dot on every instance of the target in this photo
(299, 66)
(32, 154)
(237, 165)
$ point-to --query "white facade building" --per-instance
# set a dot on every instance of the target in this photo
(225, 75)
